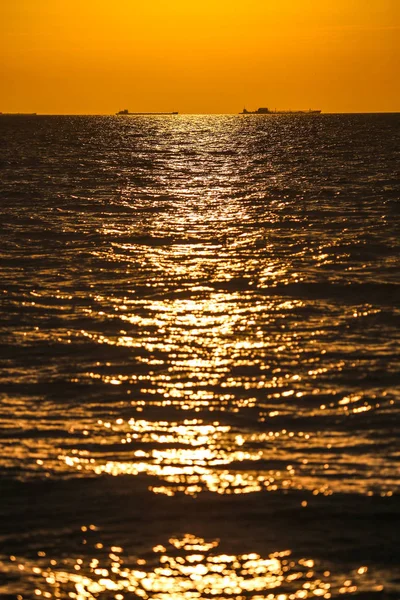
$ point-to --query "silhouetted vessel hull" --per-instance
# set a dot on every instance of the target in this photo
(267, 111)
(126, 112)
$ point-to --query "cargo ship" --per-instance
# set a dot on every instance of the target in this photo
(126, 112)
(267, 111)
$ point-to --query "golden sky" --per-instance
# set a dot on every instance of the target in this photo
(199, 56)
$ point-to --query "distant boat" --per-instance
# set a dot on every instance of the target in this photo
(267, 111)
(18, 114)
(126, 112)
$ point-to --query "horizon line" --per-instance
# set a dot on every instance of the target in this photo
(156, 113)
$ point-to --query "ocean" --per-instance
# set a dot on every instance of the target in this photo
(199, 390)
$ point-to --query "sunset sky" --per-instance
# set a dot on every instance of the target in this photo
(199, 56)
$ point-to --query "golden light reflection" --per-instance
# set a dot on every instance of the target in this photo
(203, 321)
(186, 567)
(228, 351)
(198, 343)
(193, 456)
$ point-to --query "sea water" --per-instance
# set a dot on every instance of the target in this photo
(199, 357)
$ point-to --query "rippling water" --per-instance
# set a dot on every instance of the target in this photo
(200, 359)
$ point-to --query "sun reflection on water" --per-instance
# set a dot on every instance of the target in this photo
(193, 456)
(201, 305)
(186, 567)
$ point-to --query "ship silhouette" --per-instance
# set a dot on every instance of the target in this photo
(126, 112)
(267, 111)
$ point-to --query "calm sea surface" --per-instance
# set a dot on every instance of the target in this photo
(200, 357)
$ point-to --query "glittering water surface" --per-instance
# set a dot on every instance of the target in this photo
(186, 567)
(207, 309)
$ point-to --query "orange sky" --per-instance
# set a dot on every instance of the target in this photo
(199, 56)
